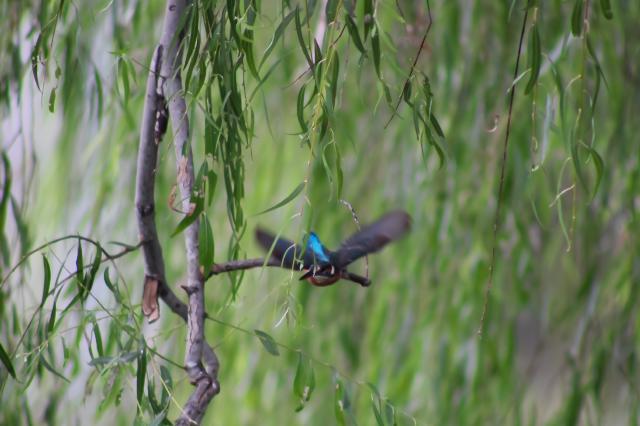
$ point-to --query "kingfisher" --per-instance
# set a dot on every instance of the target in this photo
(323, 267)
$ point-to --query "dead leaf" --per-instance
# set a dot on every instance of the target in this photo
(150, 307)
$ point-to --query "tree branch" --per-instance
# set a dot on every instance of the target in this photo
(206, 383)
(154, 122)
(239, 265)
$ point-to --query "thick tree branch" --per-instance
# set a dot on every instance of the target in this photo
(154, 121)
(206, 385)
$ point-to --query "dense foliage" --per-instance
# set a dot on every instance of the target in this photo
(301, 112)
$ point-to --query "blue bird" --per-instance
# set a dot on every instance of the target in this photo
(324, 267)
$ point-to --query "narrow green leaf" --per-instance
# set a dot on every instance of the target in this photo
(206, 241)
(368, 17)
(100, 100)
(80, 271)
(301, 42)
(47, 279)
(577, 18)
(277, 35)
(299, 379)
(376, 413)
(141, 374)
(109, 284)
(167, 387)
(52, 316)
(335, 77)
(304, 381)
(606, 8)
(189, 218)
(436, 125)
(123, 72)
(339, 175)
(6, 190)
(330, 10)
(599, 166)
(375, 48)
(34, 60)
(268, 342)
(535, 59)
(52, 100)
(212, 179)
(50, 368)
(353, 32)
(300, 110)
(4, 357)
(98, 336)
(151, 395)
(95, 266)
(298, 189)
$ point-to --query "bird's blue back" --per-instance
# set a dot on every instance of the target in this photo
(316, 247)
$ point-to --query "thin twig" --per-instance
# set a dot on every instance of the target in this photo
(501, 186)
(413, 67)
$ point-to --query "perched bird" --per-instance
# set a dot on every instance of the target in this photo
(324, 267)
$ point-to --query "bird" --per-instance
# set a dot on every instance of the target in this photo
(323, 267)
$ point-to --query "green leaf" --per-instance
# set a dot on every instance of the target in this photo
(375, 48)
(52, 316)
(368, 17)
(47, 279)
(50, 368)
(212, 179)
(335, 77)
(301, 42)
(535, 59)
(95, 266)
(300, 110)
(298, 189)
(52, 100)
(207, 247)
(4, 357)
(268, 342)
(353, 32)
(167, 387)
(191, 217)
(577, 18)
(606, 8)
(436, 125)
(599, 166)
(330, 10)
(99, 93)
(342, 406)
(80, 271)
(123, 73)
(98, 336)
(277, 34)
(304, 381)
(34, 61)
(141, 374)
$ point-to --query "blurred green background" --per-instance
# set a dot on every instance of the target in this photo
(559, 341)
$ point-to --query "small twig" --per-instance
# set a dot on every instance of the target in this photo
(413, 67)
(501, 186)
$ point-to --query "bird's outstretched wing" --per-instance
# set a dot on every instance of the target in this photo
(287, 252)
(372, 238)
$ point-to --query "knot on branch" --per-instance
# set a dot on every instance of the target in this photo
(190, 289)
(145, 210)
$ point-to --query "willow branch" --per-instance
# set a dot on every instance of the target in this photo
(205, 381)
(239, 265)
(153, 127)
